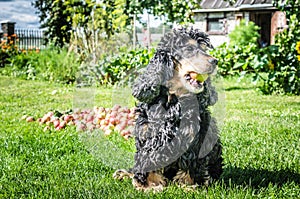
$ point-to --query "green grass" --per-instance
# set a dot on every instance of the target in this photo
(260, 135)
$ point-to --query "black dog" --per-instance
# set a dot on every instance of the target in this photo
(176, 137)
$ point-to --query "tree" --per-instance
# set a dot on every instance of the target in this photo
(290, 7)
(174, 10)
(60, 18)
(54, 19)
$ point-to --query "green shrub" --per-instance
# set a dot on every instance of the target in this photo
(244, 33)
(278, 66)
(240, 55)
(58, 65)
(119, 69)
(284, 76)
(235, 59)
(22, 65)
(51, 64)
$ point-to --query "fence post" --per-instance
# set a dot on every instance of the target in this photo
(6, 34)
(8, 29)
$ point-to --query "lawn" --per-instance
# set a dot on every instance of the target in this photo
(260, 135)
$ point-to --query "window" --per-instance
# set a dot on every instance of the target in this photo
(215, 22)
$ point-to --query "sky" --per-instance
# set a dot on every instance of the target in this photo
(23, 13)
(19, 11)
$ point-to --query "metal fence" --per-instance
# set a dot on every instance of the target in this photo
(30, 38)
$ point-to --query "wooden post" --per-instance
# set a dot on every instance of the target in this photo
(148, 33)
(163, 26)
(134, 31)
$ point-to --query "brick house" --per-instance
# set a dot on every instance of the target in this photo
(218, 18)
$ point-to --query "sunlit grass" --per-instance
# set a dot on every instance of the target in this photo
(260, 136)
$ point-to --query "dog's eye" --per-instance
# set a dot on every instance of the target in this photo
(189, 48)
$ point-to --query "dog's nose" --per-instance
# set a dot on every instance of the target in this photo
(213, 61)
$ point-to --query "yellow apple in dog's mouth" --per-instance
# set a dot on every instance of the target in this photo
(199, 77)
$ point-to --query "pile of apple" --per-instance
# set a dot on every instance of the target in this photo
(117, 119)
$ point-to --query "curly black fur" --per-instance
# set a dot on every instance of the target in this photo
(171, 128)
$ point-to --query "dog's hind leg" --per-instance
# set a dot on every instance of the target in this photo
(183, 178)
(210, 167)
(216, 162)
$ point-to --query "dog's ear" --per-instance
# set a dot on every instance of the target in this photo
(160, 69)
(213, 95)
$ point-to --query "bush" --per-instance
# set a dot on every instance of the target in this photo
(51, 64)
(7, 49)
(244, 33)
(238, 57)
(235, 59)
(278, 66)
(284, 76)
(119, 69)
(58, 65)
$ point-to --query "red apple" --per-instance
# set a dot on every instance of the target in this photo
(114, 114)
(56, 123)
(120, 127)
(112, 120)
(68, 118)
(46, 118)
(29, 119)
(116, 107)
(131, 115)
(62, 124)
(50, 114)
(90, 118)
(124, 132)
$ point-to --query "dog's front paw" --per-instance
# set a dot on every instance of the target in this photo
(120, 174)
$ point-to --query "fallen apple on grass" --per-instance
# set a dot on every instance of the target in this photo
(116, 119)
(30, 119)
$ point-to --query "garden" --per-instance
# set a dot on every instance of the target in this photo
(67, 112)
